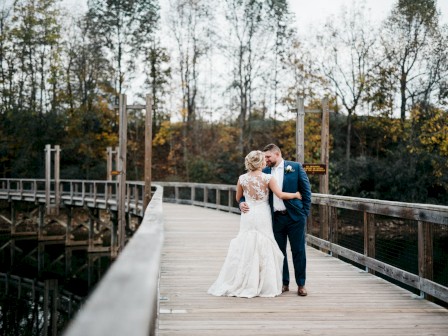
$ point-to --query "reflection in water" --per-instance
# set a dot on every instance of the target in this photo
(43, 284)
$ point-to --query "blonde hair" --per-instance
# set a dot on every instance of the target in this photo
(254, 160)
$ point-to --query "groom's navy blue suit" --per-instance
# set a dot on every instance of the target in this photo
(292, 225)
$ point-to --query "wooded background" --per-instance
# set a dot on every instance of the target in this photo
(223, 81)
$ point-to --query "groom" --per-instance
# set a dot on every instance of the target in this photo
(289, 217)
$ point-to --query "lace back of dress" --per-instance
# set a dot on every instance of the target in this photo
(255, 187)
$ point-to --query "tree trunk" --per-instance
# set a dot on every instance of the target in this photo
(403, 81)
(348, 140)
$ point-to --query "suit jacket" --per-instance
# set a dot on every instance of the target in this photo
(293, 181)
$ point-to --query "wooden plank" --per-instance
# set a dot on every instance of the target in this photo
(342, 300)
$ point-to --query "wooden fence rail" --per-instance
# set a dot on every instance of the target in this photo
(126, 300)
(426, 216)
(93, 194)
(133, 277)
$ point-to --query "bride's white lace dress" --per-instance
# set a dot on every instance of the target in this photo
(254, 262)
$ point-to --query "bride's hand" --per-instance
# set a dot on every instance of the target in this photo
(298, 195)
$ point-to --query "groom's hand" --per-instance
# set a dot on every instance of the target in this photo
(244, 207)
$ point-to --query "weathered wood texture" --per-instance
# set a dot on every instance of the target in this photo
(342, 300)
(125, 301)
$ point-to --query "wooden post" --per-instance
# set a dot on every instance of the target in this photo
(324, 212)
(41, 223)
(47, 176)
(218, 198)
(57, 191)
(205, 196)
(109, 163)
(113, 233)
(13, 218)
(55, 208)
(334, 227)
(148, 151)
(300, 130)
(68, 229)
(122, 169)
(325, 147)
(176, 194)
(117, 157)
(425, 251)
(369, 237)
(91, 237)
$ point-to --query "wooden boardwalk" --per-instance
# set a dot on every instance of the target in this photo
(342, 300)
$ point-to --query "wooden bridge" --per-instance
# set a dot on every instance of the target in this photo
(158, 283)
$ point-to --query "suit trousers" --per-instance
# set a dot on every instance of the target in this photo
(285, 228)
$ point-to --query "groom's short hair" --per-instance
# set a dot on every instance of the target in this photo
(271, 148)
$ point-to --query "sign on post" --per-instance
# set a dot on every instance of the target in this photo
(315, 168)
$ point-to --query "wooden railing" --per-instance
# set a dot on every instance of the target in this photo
(126, 300)
(93, 194)
(128, 294)
(425, 217)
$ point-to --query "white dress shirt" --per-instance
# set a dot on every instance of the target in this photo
(279, 172)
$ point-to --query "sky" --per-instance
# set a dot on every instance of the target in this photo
(314, 12)
(309, 13)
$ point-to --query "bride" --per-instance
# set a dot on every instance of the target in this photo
(254, 262)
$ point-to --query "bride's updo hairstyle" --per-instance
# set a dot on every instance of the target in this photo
(254, 160)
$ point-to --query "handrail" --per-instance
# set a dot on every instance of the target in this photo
(93, 193)
(219, 196)
(426, 216)
(126, 299)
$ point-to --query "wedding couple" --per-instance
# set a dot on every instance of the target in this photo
(275, 198)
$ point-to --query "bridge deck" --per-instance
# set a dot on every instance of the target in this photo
(342, 299)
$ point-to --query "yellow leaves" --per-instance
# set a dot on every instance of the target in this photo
(433, 129)
(164, 134)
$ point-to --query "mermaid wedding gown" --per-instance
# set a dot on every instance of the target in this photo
(254, 262)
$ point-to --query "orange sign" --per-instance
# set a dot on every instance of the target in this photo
(315, 168)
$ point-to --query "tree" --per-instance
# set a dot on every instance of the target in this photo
(348, 61)
(90, 123)
(255, 29)
(409, 30)
(125, 29)
(158, 74)
(190, 23)
(30, 45)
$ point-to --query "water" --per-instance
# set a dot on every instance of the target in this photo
(43, 284)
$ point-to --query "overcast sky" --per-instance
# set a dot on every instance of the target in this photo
(310, 12)
(314, 12)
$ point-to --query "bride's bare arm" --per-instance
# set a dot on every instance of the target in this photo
(279, 193)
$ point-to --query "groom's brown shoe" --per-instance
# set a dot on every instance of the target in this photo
(285, 288)
(302, 291)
